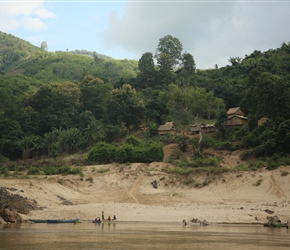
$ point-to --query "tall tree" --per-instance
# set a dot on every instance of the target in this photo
(269, 96)
(44, 46)
(56, 105)
(171, 46)
(147, 73)
(189, 104)
(126, 106)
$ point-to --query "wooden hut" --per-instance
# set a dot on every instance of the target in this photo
(167, 128)
(235, 111)
(205, 128)
(236, 121)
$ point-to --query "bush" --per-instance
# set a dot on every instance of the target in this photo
(33, 171)
(3, 158)
(102, 153)
(64, 170)
(205, 162)
(175, 155)
(76, 170)
(4, 171)
(188, 181)
(183, 142)
(132, 140)
(258, 164)
(50, 171)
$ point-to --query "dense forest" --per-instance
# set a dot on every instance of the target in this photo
(60, 103)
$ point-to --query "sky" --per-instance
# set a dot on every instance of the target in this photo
(212, 31)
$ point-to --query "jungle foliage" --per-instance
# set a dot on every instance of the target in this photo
(58, 103)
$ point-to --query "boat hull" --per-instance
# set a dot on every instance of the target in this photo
(62, 221)
(276, 225)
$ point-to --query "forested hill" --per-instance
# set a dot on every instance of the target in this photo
(60, 103)
(233, 82)
(21, 57)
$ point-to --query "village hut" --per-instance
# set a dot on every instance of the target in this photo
(205, 128)
(167, 128)
(236, 121)
(235, 111)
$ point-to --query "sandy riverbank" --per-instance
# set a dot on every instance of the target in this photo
(127, 192)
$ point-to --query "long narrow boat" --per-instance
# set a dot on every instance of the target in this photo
(63, 221)
(276, 225)
(38, 221)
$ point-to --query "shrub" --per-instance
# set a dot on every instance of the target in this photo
(284, 173)
(183, 142)
(258, 164)
(50, 171)
(76, 170)
(3, 158)
(33, 171)
(132, 140)
(102, 153)
(64, 170)
(103, 170)
(4, 171)
(175, 155)
(258, 182)
(188, 181)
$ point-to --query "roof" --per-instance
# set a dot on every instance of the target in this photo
(234, 110)
(239, 116)
(167, 126)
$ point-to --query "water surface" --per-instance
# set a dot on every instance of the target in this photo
(137, 235)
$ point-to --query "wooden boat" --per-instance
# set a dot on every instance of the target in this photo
(276, 225)
(274, 221)
(63, 221)
(38, 221)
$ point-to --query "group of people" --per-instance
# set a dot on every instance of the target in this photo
(98, 219)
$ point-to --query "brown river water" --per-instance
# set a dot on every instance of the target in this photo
(139, 235)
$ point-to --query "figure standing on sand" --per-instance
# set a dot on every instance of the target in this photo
(103, 215)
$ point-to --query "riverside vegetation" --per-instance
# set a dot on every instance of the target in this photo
(57, 104)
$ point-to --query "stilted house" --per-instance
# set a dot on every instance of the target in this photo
(167, 128)
(235, 111)
(236, 118)
(205, 128)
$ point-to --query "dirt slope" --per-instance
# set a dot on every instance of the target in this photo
(127, 191)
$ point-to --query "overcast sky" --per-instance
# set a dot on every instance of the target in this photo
(212, 31)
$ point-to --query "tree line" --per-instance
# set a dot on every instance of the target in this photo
(46, 110)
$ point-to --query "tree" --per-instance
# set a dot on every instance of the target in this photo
(95, 98)
(90, 80)
(9, 138)
(165, 74)
(155, 107)
(171, 46)
(269, 96)
(188, 63)
(185, 75)
(126, 106)
(147, 73)
(56, 105)
(192, 103)
(44, 46)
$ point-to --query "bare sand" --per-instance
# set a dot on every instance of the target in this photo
(127, 192)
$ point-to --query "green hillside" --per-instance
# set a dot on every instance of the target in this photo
(20, 57)
(54, 104)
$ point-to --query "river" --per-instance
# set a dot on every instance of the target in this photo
(138, 236)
